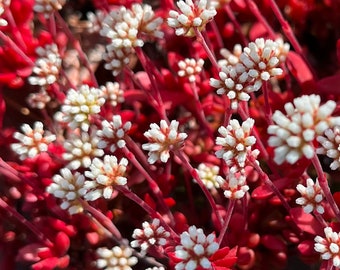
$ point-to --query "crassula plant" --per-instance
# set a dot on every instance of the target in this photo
(187, 134)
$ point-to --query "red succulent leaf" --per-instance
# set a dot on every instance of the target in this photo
(148, 199)
(29, 253)
(245, 258)
(298, 67)
(273, 243)
(62, 243)
(262, 192)
(181, 222)
(329, 85)
(224, 258)
(306, 248)
(306, 222)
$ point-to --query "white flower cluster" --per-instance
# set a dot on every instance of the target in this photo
(234, 186)
(208, 174)
(32, 141)
(112, 93)
(195, 249)
(236, 144)
(311, 197)
(38, 100)
(112, 133)
(293, 133)
(162, 139)
(95, 20)
(116, 258)
(69, 187)
(48, 6)
(330, 146)
(243, 72)
(80, 105)
(3, 5)
(191, 15)
(329, 247)
(126, 29)
(151, 235)
(105, 175)
(80, 148)
(47, 66)
(189, 67)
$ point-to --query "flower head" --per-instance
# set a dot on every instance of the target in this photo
(162, 139)
(80, 105)
(190, 68)
(105, 175)
(311, 197)
(190, 15)
(112, 133)
(69, 187)
(195, 249)
(47, 66)
(3, 5)
(80, 149)
(115, 258)
(294, 133)
(112, 93)
(38, 100)
(329, 247)
(330, 146)
(151, 235)
(208, 175)
(234, 186)
(32, 141)
(236, 143)
(48, 6)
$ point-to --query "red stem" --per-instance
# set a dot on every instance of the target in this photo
(229, 213)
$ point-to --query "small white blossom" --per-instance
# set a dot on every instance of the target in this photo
(294, 132)
(162, 139)
(117, 59)
(190, 68)
(112, 93)
(230, 58)
(116, 258)
(236, 143)
(195, 249)
(311, 197)
(234, 186)
(47, 66)
(48, 6)
(152, 234)
(32, 141)
(105, 175)
(112, 133)
(235, 83)
(95, 20)
(155, 268)
(218, 3)
(330, 146)
(208, 175)
(3, 5)
(38, 100)
(80, 105)
(329, 247)
(191, 14)
(80, 149)
(69, 187)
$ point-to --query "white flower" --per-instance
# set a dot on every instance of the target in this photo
(234, 186)
(190, 68)
(38, 100)
(208, 175)
(80, 149)
(69, 187)
(117, 59)
(116, 258)
(48, 6)
(80, 105)
(329, 247)
(261, 60)
(3, 4)
(235, 83)
(190, 15)
(311, 197)
(155, 268)
(95, 20)
(230, 58)
(47, 66)
(162, 139)
(294, 132)
(330, 146)
(236, 143)
(112, 133)
(112, 93)
(151, 235)
(32, 141)
(105, 175)
(195, 249)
